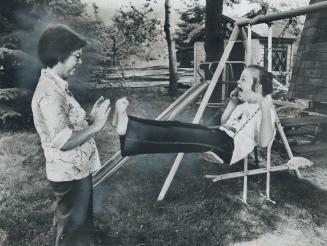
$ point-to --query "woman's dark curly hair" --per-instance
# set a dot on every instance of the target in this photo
(260, 75)
(57, 43)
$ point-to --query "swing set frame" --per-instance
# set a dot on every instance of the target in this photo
(112, 165)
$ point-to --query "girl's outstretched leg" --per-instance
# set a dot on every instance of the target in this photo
(144, 136)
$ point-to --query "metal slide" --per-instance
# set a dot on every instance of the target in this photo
(170, 113)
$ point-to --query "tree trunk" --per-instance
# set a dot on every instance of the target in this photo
(114, 52)
(173, 76)
(214, 38)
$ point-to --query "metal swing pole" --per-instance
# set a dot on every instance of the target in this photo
(283, 15)
(249, 46)
(269, 47)
(246, 160)
(268, 166)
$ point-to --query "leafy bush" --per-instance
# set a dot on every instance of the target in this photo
(15, 108)
(133, 31)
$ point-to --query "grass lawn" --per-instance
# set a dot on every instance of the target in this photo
(195, 211)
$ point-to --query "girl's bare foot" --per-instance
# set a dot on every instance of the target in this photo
(120, 116)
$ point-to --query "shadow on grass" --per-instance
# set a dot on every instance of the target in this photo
(27, 218)
(195, 210)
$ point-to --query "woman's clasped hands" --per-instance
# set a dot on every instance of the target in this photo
(99, 113)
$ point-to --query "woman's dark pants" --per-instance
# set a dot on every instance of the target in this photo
(73, 220)
(145, 136)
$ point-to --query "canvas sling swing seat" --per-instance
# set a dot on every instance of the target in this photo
(293, 164)
(246, 172)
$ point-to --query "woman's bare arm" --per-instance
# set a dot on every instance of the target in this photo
(80, 137)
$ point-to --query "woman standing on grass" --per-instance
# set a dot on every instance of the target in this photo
(66, 137)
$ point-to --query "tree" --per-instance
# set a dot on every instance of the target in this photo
(173, 75)
(21, 23)
(133, 31)
(214, 36)
(194, 18)
(191, 20)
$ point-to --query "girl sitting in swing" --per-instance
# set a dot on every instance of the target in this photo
(247, 121)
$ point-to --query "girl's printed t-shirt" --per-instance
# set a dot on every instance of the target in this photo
(243, 125)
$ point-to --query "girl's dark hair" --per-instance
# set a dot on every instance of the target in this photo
(263, 77)
(57, 43)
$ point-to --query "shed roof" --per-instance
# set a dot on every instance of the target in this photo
(259, 31)
(277, 28)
